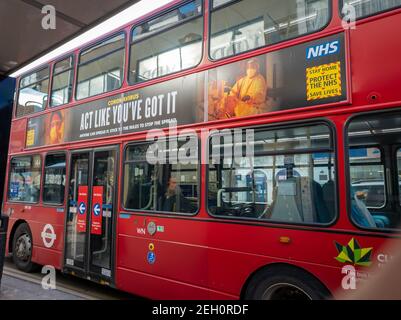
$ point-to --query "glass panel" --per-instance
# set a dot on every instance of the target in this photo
(101, 49)
(250, 24)
(170, 187)
(62, 83)
(32, 96)
(101, 68)
(102, 208)
(25, 176)
(78, 210)
(272, 141)
(294, 188)
(54, 182)
(63, 65)
(34, 77)
(218, 3)
(181, 14)
(399, 174)
(373, 182)
(169, 51)
(364, 8)
(367, 176)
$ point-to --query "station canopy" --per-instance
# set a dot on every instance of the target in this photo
(22, 38)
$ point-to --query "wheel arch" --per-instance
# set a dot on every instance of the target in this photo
(12, 233)
(281, 267)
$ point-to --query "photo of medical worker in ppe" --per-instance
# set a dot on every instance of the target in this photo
(56, 128)
(245, 97)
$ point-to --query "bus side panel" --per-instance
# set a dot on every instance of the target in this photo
(41, 221)
(220, 257)
(17, 136)
(375, 52)
(236, 251)
(155, 287)
(180, 254)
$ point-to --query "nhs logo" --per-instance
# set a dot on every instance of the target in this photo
(322, 50)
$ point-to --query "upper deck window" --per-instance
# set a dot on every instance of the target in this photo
(62, 82)
(33, 89)
(240, 26)
(365, 8)
(167, 44)
(101, 67)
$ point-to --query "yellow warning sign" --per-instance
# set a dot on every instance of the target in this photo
(30, 138)
(323, 81)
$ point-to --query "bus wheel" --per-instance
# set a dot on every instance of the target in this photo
(22, 248)
(285, 283)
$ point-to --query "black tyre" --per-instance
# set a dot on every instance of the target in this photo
(285, 283)
(22, 249)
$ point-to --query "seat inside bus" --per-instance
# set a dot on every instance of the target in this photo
(300, 199)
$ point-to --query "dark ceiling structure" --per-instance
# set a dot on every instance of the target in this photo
(22, 38)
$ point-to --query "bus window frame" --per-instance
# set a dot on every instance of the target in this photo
(132, 42)
(209, 35)
(78, 64)
(277, 126)
(45, 107)
(397, 168)
(71, 85)
(347, 171)
(54, 204)
(158, 212)
(341, 15)
(39, 201)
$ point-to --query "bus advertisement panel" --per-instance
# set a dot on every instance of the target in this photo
(305, 75)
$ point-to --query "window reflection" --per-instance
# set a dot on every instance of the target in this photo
(295, 187)
(24, 184)
(62, 82)
(101, 68)
(32, 95)
(364, 8)
(249, 24)
(155, 53)
(374, 182)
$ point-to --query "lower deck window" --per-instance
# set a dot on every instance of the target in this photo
(284, 175)
(163, 187)
(54, 181)
(374, 170)
(24, 182)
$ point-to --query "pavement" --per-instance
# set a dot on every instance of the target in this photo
(17, 289)
(19, 285)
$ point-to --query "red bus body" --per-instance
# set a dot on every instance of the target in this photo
(204, 257)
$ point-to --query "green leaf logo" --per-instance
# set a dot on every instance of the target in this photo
(352, 253)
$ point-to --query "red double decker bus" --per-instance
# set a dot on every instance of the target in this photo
(216, 149)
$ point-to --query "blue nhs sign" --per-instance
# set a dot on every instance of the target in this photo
(323, 49)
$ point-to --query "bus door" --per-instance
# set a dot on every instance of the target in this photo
(91, 208)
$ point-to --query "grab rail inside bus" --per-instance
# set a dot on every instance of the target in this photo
(240, 189)
(149, 204)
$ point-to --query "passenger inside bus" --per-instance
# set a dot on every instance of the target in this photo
(163, 187)
(173, 200)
